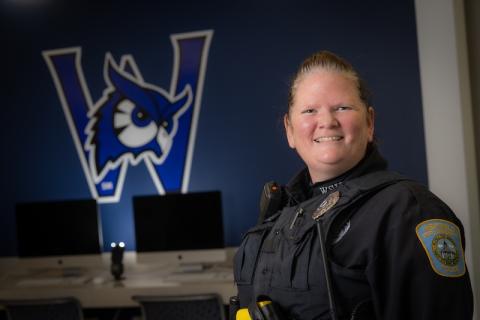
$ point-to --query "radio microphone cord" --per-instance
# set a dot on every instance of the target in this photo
(326, 268)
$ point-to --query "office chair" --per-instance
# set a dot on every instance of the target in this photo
(66, 308)
(189, 307)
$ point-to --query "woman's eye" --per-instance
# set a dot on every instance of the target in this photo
(308, 110)
(343, 108)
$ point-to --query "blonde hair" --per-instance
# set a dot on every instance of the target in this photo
(325, 60)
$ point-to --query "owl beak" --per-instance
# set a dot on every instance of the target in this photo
(164, 140)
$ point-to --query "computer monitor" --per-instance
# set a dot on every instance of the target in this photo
(60, 232)
(187, 228)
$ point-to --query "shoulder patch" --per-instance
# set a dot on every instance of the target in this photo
(442, 242)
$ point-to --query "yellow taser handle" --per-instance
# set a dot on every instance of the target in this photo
(242, 314)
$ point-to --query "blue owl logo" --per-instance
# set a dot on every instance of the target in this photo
(133, 121)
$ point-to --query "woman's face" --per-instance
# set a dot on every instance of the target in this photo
(328, 124)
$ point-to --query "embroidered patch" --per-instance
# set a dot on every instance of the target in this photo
(442, 242)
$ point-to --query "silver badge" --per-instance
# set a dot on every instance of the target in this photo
(326, 205)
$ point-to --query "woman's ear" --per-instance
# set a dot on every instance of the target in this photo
(289, 131)
(370, 123)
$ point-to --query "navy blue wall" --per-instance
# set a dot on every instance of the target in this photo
(240, 142)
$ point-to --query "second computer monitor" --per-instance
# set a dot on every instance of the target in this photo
(188, 226)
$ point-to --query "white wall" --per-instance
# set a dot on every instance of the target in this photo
(448, 118)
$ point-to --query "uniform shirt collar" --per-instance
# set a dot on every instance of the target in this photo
(300, 188)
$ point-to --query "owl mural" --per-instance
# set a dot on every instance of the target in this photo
(132, 121)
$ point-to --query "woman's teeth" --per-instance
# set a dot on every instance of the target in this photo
(322, 139)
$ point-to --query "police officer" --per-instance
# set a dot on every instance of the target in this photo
(351, 240)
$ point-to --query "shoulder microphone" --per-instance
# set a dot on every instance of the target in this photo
(270, 200)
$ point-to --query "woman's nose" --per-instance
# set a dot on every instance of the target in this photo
(327, 119)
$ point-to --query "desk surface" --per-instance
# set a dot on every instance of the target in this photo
(96, 288)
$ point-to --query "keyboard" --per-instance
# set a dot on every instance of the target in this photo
(51, 281)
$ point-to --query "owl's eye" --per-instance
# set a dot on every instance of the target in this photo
(140, 117)
(133, 125)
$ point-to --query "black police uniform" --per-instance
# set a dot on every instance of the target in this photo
(395, 251)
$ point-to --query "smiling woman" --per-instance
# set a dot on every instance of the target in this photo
(328, 123)
(350, 239)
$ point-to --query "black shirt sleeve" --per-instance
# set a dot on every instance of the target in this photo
(417, 267)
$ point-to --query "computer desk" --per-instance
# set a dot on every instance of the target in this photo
(96, 287)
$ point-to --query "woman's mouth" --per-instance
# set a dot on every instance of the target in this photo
(328, 138)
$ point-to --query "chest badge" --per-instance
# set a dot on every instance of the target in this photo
(326, 205)
(441, 240)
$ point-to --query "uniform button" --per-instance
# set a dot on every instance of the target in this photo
(277, 232)
(265, 270)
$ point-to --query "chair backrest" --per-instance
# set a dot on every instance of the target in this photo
(65, 308)
(188, 307)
